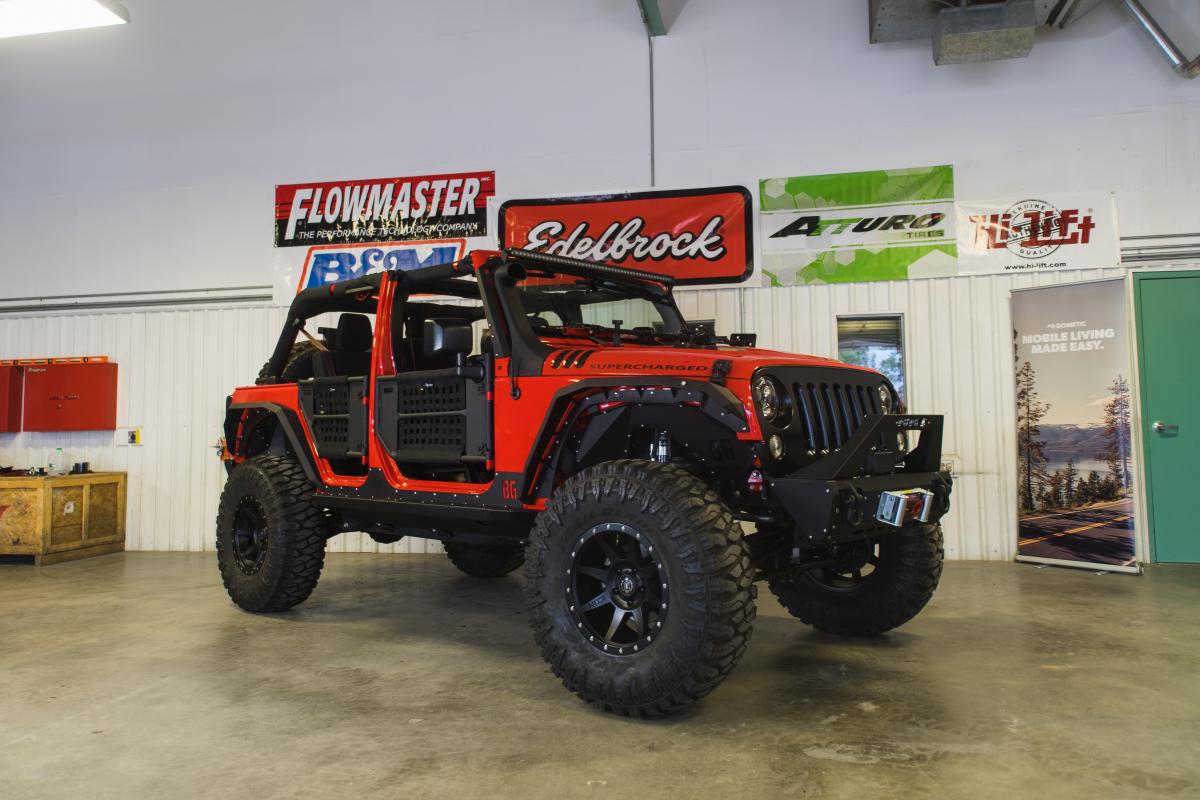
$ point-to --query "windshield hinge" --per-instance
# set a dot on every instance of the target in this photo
(720, 370)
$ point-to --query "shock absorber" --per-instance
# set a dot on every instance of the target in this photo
(661, 449)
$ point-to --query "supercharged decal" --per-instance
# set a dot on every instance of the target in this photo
(449, 206)
(696, 236)
(651, 367)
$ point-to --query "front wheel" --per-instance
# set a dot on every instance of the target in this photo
(640, 587)
(868, 587)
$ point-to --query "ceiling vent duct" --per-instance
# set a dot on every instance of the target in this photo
(984, 32)
(965, 31)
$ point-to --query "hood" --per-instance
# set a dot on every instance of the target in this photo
(586, 359)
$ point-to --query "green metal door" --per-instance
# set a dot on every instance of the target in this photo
(1168, 323)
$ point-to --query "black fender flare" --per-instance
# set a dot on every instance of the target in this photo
(715, 402)
(288, 422)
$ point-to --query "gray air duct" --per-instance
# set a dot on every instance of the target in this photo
(967, 31)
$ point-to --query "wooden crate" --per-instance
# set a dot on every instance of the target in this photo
(63, 517)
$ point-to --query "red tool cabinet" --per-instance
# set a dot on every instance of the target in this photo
(11, 376)
(70, 397)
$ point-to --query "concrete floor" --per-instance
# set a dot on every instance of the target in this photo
(133, 676)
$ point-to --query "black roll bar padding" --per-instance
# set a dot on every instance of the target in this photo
(348, 296)
(586, 269)
(851, 460)
(528, 352)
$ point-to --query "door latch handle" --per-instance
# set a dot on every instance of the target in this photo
(1162, 427)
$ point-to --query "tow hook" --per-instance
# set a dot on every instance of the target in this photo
(851, 500)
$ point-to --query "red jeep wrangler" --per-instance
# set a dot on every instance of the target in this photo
(527, 408)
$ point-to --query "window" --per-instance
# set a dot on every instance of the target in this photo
(876, 342)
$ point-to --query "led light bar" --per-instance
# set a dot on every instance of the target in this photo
(28, 17)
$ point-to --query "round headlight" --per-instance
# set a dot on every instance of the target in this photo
(768, 399)
(885, 400)
(775, 444)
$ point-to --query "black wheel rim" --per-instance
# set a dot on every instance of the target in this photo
(854, 565)
(616, 589)
(250, 536)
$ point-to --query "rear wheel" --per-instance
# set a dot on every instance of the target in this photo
(640, 587)
(869, 587)
(485, 561)
(270, 535)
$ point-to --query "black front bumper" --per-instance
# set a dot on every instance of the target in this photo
(836, 498)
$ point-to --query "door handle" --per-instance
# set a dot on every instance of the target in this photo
(1163, 427)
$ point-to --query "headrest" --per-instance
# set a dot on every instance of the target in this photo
(353, 333)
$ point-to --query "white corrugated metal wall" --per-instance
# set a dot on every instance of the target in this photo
(176, 366)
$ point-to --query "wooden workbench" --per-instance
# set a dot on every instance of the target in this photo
(57, 518)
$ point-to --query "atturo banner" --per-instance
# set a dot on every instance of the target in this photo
(883, 225)
(1074, 450)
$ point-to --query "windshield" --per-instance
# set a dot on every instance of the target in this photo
(587, 307)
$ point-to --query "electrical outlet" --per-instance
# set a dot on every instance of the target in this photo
(129, 437)
(135, 436)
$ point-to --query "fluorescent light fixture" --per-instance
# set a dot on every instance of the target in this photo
(27, 17)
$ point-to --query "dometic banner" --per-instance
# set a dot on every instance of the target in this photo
(452, 206)
(1042, 234)
(883, 225)
(1074, 456)
(697, 236)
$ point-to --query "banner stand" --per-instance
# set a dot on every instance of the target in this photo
(1075, 460)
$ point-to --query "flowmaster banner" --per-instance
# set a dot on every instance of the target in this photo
(450, 206)
(1074, 450)
(1040, 234)
(697, 236)
(881, 225)
(335, 230)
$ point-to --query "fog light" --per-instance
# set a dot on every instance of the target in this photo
(775, 444)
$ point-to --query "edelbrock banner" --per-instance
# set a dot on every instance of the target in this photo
(1074, 451)
(353, 227)
(1040, 234)
(698, 236)
(882, 225)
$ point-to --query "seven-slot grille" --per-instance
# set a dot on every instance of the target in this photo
(826, 413)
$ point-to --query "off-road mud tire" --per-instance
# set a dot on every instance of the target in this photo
(910, 566)
(485, 561)
(276, 489)
(298, 367)
(709, 605)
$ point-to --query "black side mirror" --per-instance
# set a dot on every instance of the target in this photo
(448, 336)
